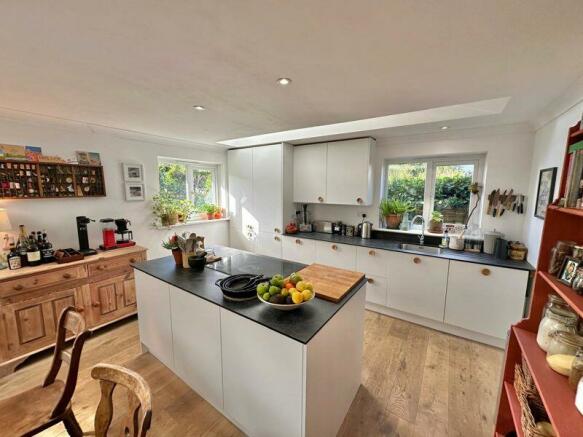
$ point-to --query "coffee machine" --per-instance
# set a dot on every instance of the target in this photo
(83, 235)
(125, 235)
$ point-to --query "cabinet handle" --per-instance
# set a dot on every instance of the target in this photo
(359, 200)
(79, 309)
(276, 238)
(100, 268)
(95, 304)
(417, 260)
(371, 252)
(320, 199)
(35, 281)
(277, 230)
(370, 280)
(67, 276)
(298, 242)
(486, 272)
(132, 260)
(334, 247)
(18, 287)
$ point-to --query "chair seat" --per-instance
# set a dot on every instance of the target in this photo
(30, 410)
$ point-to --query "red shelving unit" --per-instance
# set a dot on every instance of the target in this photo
(558, 398)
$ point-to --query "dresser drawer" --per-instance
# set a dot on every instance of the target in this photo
(60, 278)
(119, 264)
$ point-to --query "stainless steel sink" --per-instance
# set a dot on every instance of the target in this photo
(417, 248)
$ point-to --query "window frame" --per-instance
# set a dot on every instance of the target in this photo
(190, 165)
(432, 162)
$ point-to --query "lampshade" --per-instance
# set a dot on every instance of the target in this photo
(5, 224)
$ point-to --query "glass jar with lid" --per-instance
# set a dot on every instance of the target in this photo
(561, 250)
(557, 318)
(554, 300)
(563, 347)
(576, 369)
(578, 252)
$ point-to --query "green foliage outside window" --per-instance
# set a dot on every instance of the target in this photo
(173, 182)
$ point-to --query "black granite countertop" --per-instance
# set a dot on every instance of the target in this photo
(393, 245)
(300, 324)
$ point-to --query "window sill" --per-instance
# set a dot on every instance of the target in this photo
(193, 222)
(410, 232)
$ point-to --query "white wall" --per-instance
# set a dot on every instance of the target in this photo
(57, 216)
(549, 151)
(508, 152)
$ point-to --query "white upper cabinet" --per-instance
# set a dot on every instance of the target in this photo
(310, 173)
(485, 299)
(338, 172)
(349, 172)
(241, 186)
(417, 284)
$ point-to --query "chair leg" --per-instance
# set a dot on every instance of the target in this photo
(71, 424)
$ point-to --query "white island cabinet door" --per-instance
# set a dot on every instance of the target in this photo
(299, 250)
(309, 172)
(417, 284)
(262, 378)
(268, 244)
(196, 327)
(153, 299)
(485, 299)
(342, 256)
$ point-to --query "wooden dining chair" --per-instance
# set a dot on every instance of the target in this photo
(43, 406)
(138, 419)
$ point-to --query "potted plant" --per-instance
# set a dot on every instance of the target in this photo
(185, 210)
(166, 208)
(218, 212)
(172, 244)
(436, 222)
(210, 210)
(392, 210)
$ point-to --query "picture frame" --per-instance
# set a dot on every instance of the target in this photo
(545, 191)
(135, 192)
(133, 172)
(82, 157)
(569, 270)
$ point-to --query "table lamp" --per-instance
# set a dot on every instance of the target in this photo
(5, 226)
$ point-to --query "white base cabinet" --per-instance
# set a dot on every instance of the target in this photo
(341, 256)
(483, 298)
(300, 250)
(417, 284)
(268, 244)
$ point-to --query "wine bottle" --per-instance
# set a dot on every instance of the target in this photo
(47, 251)
(33, 252)
(22, 246)
(14, 258)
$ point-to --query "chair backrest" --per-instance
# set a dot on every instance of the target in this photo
(69, 320)
(139, 417)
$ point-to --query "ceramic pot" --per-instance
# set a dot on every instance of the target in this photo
(210, 215)
(218, 215)
(197, 263)
(169, 219)
(394, 221)
(177, 254)
(435, 227)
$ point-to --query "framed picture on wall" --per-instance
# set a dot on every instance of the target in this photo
(135, 192)
(545, 192)
(133, 172)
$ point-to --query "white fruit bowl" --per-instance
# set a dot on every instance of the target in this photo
(287, 306)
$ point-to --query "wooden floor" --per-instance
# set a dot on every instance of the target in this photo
(415, 382)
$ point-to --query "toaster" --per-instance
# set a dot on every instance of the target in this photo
(323, 226)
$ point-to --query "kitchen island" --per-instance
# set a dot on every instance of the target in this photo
(272, 373)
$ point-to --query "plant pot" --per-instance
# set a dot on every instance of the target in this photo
(169, 219)
(177, 254)
(218, 215)
(394, 220)
(210, 215)
(435, 227)
(181, 218)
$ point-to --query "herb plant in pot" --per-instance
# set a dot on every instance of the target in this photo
(166, 208)
(185, 210)
(436, 222)
(172, 244)
(393, 210)
(210, 209)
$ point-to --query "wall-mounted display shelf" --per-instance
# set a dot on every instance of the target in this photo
(46, 180)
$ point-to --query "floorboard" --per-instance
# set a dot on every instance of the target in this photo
(415, 382)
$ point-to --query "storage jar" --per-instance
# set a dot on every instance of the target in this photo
(554, 300)
(576, 370)
(556, 319)
(561, 250)
(563, 347)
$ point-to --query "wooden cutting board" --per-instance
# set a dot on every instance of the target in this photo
(330, 283)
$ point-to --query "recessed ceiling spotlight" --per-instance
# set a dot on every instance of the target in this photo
(199, 108)
(444, 127)
(284, 81)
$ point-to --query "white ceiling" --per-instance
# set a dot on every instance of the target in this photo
(140, 65)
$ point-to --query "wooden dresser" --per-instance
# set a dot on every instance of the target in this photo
(31, 299)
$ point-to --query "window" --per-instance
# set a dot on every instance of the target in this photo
(189, 180)
(434, 184)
